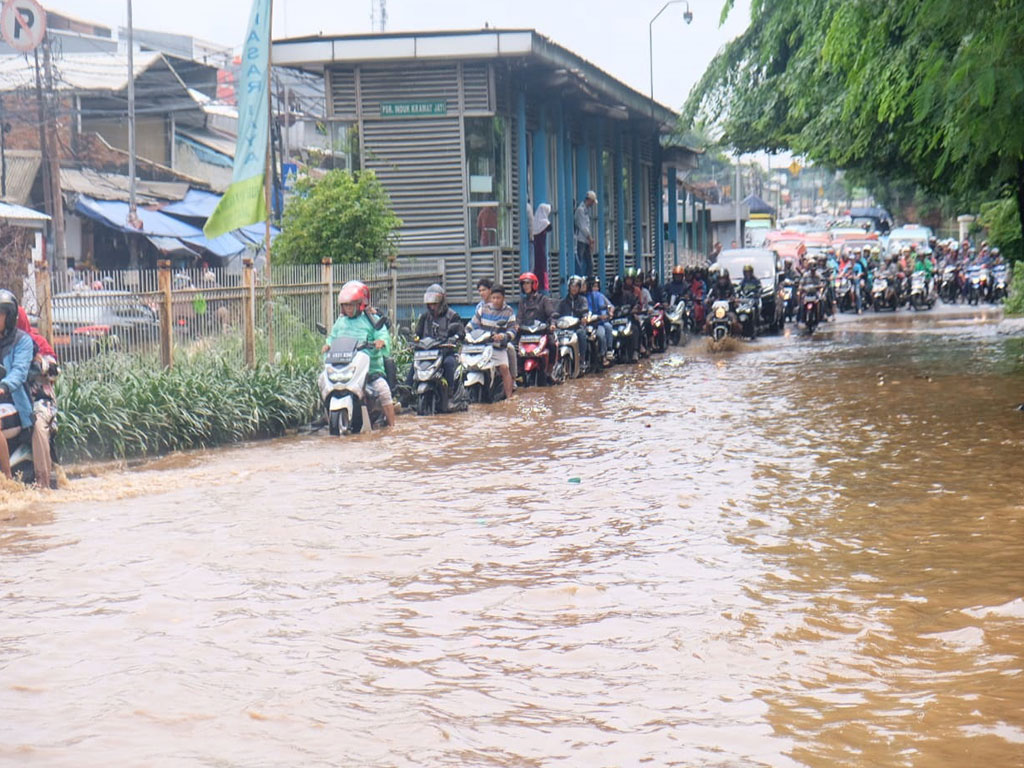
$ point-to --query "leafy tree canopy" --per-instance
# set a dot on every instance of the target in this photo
(344, 216)
(926, 90)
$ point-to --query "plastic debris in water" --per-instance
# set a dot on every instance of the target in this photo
(575, 480)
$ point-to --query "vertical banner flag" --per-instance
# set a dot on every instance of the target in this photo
(243, 203)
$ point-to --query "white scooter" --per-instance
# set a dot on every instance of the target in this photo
(342, 385)
(482, 382)
(19, 439)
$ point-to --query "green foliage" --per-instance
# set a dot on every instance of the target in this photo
(116, 406)
(1014, 306)
(1000, 219)
(928, 91)
(344, 216)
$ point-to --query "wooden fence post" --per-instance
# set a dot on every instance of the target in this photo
(249, 311)
(44, 300)
(327, 277)
(166, 321)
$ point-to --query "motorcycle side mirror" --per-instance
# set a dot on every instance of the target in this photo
(321, 329)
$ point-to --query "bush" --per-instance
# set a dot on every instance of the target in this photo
(342, 215)
(116, 406)
(1015, 301)
(1003, 224)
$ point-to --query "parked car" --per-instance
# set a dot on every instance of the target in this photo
(86, 322)
(766, 269)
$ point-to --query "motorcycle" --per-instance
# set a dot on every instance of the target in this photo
(747, 313)
(977, 283)
(533, 353)
(883, 293)
(919, 293)
(433, 393)
(846, 299)
(623, 331)
(481, 380)
(719, 323)
(812, 310)
(342, 385)
(19, 439)
(1000, 278)
(656, 329)
(569, 357)
(949, 289)
(593, 361)
(787, 294)
(676, 321)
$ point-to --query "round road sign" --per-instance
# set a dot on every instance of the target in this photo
(22, 24)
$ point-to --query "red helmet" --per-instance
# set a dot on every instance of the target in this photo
(354, 291)
(529, 276)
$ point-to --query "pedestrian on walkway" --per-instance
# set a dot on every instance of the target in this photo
(539, 229)
(584, 239)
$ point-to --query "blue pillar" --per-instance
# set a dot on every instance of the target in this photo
(620, 204)
(565, 257)
(673, 214)
(602, 204)
(659, 235)
(683, 222)
(524, 224)
(638, 201)
(540, 162)
(693, 225)
(704, 227)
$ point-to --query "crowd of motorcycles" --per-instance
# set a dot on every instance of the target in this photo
(568, 347)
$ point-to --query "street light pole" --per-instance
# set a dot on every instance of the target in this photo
(688, 16)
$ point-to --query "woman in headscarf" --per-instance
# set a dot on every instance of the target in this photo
(539, 233)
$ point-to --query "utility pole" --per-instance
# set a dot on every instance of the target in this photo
(57, 204)
(736, 204)
(132, 218)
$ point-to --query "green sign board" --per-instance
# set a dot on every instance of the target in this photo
(413, 108)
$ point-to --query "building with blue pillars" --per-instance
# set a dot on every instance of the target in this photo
(470, 131)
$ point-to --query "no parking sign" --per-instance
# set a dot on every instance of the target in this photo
(22, 24)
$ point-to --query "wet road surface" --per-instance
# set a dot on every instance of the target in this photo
(805, 552)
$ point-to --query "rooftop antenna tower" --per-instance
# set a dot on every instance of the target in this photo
(379, 15)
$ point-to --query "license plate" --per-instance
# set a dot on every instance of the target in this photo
(426, 354)
(475, 349)
(530, 340)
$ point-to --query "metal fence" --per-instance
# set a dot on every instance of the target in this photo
(156, 313)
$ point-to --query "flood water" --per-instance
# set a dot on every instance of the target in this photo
(805, 552)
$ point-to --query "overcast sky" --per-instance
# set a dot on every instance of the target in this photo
(612, 34)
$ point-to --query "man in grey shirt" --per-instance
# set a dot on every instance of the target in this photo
(584, 239)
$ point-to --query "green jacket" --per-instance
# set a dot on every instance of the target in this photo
(361, 328)
(923, 265)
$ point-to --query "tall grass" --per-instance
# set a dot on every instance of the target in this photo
(118, 406)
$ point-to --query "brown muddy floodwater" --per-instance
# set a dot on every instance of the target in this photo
(806, 552)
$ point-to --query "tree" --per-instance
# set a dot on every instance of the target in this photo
(924, 90)
(344, 216)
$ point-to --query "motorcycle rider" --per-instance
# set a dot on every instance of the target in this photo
(483, 290)
(722, 290)
(677, 289)
(749, 285)
(439, 322)
(575, 305)
(16, 353)
(810, 282)
(497, 316)
(535, 307)
(44, 401)
(601, 308)
(923, 263)
(850, 269)
(354, 323)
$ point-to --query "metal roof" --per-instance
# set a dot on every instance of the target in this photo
(22, 167)
(78, 71)
(19, 215)
(113, 186)
(313, 53)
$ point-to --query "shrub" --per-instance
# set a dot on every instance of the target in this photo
(1014, 305)
(116, 406)
(344, 216)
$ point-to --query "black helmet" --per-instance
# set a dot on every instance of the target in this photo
(9, 309)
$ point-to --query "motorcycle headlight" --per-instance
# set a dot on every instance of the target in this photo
(720, 313)
(339, 375)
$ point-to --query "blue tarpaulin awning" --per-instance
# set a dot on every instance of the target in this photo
(199, 204)
(114, 214)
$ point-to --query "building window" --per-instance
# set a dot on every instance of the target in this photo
(487, 163)
(339, 146)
